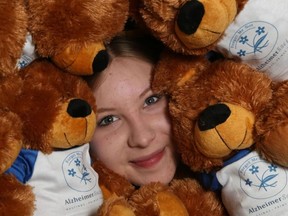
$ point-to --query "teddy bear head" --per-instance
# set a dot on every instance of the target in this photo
(57, 109)
(73, 33)
(190, 26)
(272, 126)
(213, 107)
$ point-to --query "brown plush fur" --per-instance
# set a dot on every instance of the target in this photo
(197, 200)
(11, 126)
(13, 30)
(272, 127)
(111, 182)
(15, 198)
(221, 82)
(56, 24)
(182, 197)
(122, 197)
(40, 122)
(161, 18)
(47, 91)
(10, 138)
(67, 31)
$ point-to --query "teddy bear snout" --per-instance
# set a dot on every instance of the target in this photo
(78, 108)
(190, 16)
(213, 116)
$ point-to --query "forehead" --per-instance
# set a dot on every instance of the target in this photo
(128, 70)
(124, 78)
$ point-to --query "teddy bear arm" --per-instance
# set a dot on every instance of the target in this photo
(11, 139)
(157, 199)
(272, 127)
(15, 198)
(274, 146)
(110, 182)
(196, 199)
(115, 206)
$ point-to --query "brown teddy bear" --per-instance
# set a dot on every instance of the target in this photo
(214, 107)
(182, 197)
(57, 112)
(12, 192)
(272, 127)
(189, 26)
(253, 31)
(73, 33)
(51, 117)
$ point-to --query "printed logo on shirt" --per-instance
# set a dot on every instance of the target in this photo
(254, 40)
(261, 180)
(78, 173)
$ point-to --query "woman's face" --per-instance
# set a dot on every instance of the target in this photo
(133, 134)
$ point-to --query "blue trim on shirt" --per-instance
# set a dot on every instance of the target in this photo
(210, 181)
(23, 166)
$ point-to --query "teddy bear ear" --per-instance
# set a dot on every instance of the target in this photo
(73, 33)
(272, 127)
(189, 27)
(13, 30)
(174, 70)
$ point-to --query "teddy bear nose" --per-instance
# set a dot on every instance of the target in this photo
(100, 61)
(190, 16)
(213, 116)
(79, 108)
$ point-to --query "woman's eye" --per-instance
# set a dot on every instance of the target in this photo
(107, 120)
(151, 100)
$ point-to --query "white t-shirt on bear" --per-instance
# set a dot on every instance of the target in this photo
(259, 37)
(63, 182)
(252, 186)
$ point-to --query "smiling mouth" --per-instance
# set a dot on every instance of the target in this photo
(241, 143)
(150, 160)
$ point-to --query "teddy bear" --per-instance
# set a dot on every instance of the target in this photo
(189, 26)
(214, 108)
(252, 31)
(271, 127)
(73, 33)
(12, 192)
(182, 197)
(53, 118)
(58, 115)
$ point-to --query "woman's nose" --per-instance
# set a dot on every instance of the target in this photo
(142, 133)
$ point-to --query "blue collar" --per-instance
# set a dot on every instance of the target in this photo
(240, 154)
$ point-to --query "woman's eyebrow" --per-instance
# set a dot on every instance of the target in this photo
(145, 91)
(105, 110)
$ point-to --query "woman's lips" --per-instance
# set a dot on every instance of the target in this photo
(150, 160)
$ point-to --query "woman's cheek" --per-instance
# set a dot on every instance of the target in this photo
(109, 143)
(163, 121)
